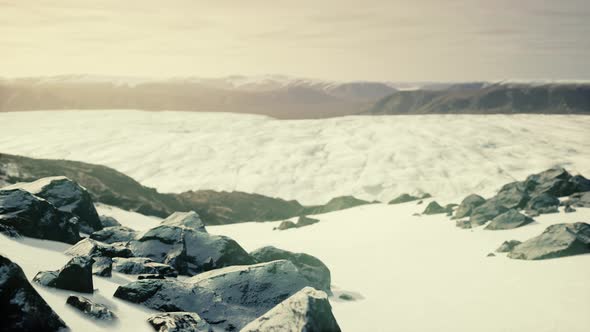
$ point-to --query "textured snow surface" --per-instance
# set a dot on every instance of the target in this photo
(313, 161)
(419, 274)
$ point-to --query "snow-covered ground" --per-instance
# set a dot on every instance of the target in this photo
(309, 160)
(408, 273)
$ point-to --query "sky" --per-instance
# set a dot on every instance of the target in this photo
(395, 40)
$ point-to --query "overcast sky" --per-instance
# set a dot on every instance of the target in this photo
(396, 40)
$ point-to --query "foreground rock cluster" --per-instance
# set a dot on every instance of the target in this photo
(227, 288)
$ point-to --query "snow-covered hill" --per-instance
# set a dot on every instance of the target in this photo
(309, 160)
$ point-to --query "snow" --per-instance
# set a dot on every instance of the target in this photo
(424, 274)
(312, 161)
(129, 219)
(34, 255)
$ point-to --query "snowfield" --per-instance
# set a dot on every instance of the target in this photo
(312, 161)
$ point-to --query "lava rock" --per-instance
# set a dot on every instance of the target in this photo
(434, 208)
(142, 265)
(91, 309)
(306, 310)
(403, 198)
(185, 219)
(76, 276)
(103, 266)
(189, 251)
(228, 298)
(92, 248)
(67, 196)
(509, 220)
(178, 322)
(543, 203)
(486, 212)
(313, 269)
(467, 205)
(508, 246)
(32, 216)
(23, 309)
(557, 240)
(114, 234)
(108, 221)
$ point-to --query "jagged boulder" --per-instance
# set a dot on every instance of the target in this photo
(178, 322)
(114, 234)
(557, 182)
(142, 265)
(543, 203)
(227, 298)
(467, 205)
(313, 269)
(103, 266)
(434, 208)
(28, 215)
(486, 212)
(108, 221)
(67, 196)
(185, 219)
(557, 240)
(579, 200)
(336, 204)
(508, 246)
(93, 310)
(287, 224)
(403, 198)
(509, 220)
(23, 309)
(76, 276)
(301, 222)
(189, 251)
(92, 248)
(512, 195)
(306, 310)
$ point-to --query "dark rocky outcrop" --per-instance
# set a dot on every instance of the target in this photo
(467, 205)
(92, 248)
(103, 266)
(178, 322)
(227, 298)
(108, 221)
(403, 198)
(335, 204)
(76, 276)
(114, 234)
(486, 212)
(508, 246)
(142, 265)
(301, 222)
(313, 269)
(509, 220)
(556, 241)
(188, 250)
(543, 203)
(306, 310)
(93, 310)
(23, 309)
(579, 200)
(435, 208)
(67, 196)
(29, 215)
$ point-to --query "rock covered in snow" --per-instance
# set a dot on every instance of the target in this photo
(91, 309)
(35, 217)
(185, 219)
(507, 246)
(142, 265)
(227, 298)
(306, 310)
(509, 220)
(66, 195)
(23, 309)
(178, 322)
(76, 276)
(188, 250)
(114, 234)
(92, 248)
(108, 221)
(467, 205)
(557, 240)
(316, 272)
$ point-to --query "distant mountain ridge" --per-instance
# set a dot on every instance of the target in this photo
(508, 98)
